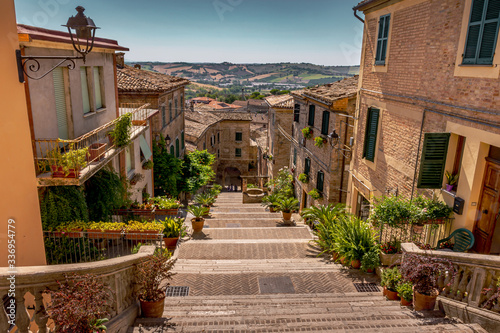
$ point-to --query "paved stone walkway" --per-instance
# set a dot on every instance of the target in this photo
(248, 272)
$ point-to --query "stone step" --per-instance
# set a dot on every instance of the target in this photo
(245, 210)
(243, 223)
(225, 251)
(356, 312)
(230, 215)
(237, 234)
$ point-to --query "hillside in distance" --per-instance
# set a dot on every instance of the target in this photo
(261, 76)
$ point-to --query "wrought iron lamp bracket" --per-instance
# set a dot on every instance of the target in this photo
(27, 64)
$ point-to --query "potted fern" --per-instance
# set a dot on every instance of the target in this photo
(198, 213)
(287, 206)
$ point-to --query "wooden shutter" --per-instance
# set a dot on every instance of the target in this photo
(433, 160)
(97, 88)
(294, 156)
(325, 123)
(177, 152)
(176, 107)
(85, 90)
(371, 134)
(307, 167)
(482, 32)
(320, 181)
(182, 140)
(296, 113)
(172, 150)
(312, 111)
(60, 98)
(382, 39)
(163, 116)
(170, 110)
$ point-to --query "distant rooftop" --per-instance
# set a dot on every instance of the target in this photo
(196, 122)
(331, 92)
(36, 33)
(210, 104)
(280, 101)
(131, 79)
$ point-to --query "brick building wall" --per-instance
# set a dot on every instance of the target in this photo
(424, 88)
(279, 145)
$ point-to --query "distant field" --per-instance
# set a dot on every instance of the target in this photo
(206, 86)
(313, 76)
(260, 77)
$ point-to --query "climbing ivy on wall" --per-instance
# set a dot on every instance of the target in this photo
(60, 204)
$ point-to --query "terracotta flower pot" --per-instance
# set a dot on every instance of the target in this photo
(343, 261)
(405, 302)
(384, 291)
(335, 256)
(152, 309)
(271, 209)
(370, 270)
(392, 295)
(423, 302)
(197, 224)
(107, 234)
(287, 216)
(390, 259)
(170, 242)
(356, 264)
(417, 229)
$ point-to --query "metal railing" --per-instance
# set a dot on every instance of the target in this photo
(89, 246)
(51, 152)
(406, 232)
(140, 112)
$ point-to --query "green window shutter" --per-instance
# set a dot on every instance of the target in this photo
(182, 140)
(97, 88)
(307, 167)
(325, 123)
(320, 181)
(239, 136)
(482, 32)
(163, 116)
(60, 97)
(371, 134)
(172, 150)
(382, 39)
(85, 90)
(177, 150)
(312, 111)
(176, 107)
(170, 110)
(433, 160)
(237, 152)
(296, 113)
(294, 156)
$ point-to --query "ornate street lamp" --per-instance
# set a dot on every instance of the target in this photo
(84, 29)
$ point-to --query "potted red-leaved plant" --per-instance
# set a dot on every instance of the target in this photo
(79, 304)
(424, 273)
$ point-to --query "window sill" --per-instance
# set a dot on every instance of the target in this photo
(452, 194)
(477, 65)
(101, 110)
(89, 114)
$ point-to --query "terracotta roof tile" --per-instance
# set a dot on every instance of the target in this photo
(280, 101)
(331, 92)
(132, 79)
(196, 122)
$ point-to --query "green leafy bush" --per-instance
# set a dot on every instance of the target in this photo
(355, 237)
(303, 178)
(60, 204)
(391, 277)
(370, 260)
(173, 227)
(197, 170)
(405, 291)
(324, 214)
(307, 132)
(105, 192)
(167, 170)
(121, 132)
(315, 194)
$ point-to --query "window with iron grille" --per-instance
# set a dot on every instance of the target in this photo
(296, 113)
(237, 152)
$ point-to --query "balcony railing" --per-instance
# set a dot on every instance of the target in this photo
(72, 162)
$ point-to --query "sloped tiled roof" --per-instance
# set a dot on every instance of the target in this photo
(196, 122)
(132, 79)
(331, 92)
(36, 33)
(362, 3)
(280, 101)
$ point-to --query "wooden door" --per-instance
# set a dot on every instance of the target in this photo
(488, 210)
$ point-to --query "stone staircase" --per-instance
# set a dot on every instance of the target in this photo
(248, 272)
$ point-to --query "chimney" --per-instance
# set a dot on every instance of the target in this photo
(120, 59)
(137, 66)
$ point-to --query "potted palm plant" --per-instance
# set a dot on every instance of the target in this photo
(424, 273)
(198, 220)
(287, 206)
(205, 199)
(150, 277)
(271, 201)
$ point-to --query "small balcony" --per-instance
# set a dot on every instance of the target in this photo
(72, 162)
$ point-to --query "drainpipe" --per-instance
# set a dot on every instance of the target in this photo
(357, 16)
(418, 155)
(343, 160)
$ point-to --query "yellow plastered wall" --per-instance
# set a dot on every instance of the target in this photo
(18, 187)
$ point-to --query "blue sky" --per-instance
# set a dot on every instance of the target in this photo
(322, 32)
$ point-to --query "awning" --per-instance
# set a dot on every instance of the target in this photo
(145, 147)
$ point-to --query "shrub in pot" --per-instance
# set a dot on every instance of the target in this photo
(390, 253)
(451, 180)
(172, 230)
(205, 199)
(370, 261)
(287, 206)
(405, 291)
(150, 277)
(165, 205)
(303, 178)
(79, 304)
(271, 201)
(424, 273)
(315, 194)
(326, 238)
(323, 213)
(390, 279)
(198, 220)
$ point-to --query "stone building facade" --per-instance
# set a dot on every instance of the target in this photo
(429, 103)
(328, 112)
(227, 136)
(279, 133)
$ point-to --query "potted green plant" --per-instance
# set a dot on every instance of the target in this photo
(148, 165)
(72, 229)
(215, 190)
(79, 304)
(370, 261)
(165, 205)
(431, 211)
(320, 141)
(105, 230)
(390, 253)
(451, 180)
(303, 178)
(172, 231)
(315, 194)
(69, 164)
(198, 213)
(287, 206)
(390, 279)
(307, 132)
(205, 199)
(355, 237)
(150, 278)
(271, 201)
(140, 231)
(424, 273)
(405, 292)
